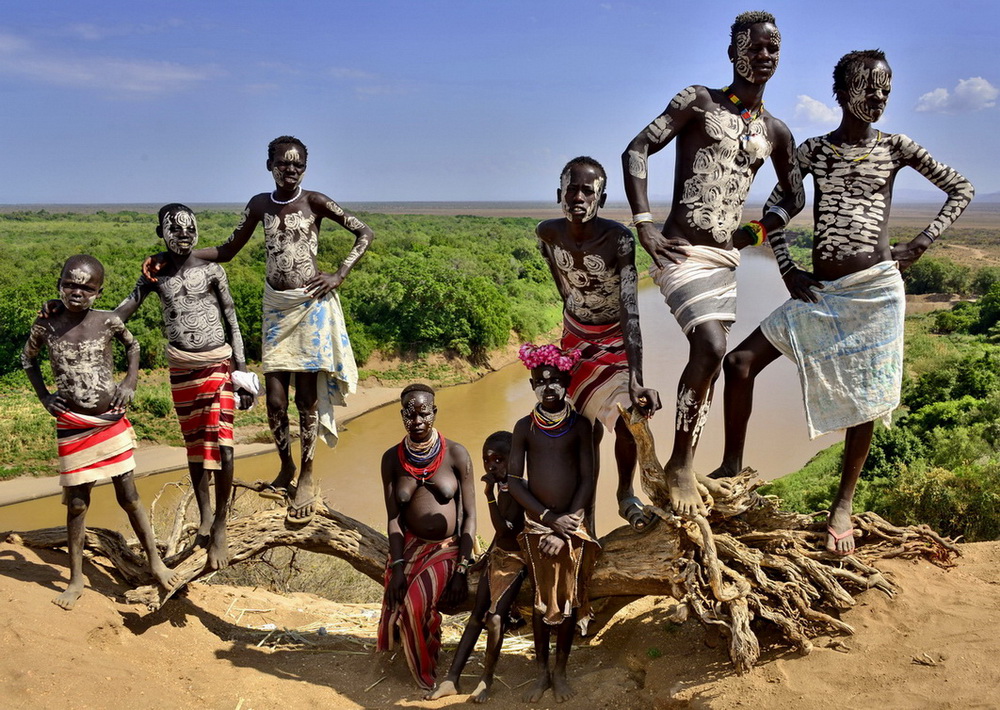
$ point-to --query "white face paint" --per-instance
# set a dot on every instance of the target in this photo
(581, 188)
(741, 45)
(868, 87)
(288, 168)
(79, 288)
(747, 43)
(180, 231)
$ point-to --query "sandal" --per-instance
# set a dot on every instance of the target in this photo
(272, 492)
(305, 520)
(633, 512)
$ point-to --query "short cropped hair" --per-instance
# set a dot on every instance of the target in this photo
(286, 140)
(172, 207)
(848, 61)
(413, 389)
(585, 160)
(745, 20)
(84, 260)
(499, 441)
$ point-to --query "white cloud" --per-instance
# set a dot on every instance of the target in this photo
(20, 58)
(971, 94)
(811, 110)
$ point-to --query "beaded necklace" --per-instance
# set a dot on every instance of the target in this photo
(878, 139)
(755, 144)
(297, 195)
(422, 459)
(553, 425)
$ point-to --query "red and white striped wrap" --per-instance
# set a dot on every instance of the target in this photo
(600, 379)
(93, 448)
(204, 401)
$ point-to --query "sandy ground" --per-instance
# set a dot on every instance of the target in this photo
(934, 646)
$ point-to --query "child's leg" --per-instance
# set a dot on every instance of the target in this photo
(304, 503)
(694, 394)
(77, 503)
(474, 627)
(542, 633)
(840, 532)
(629, 506)
(494, 641)
(128, 499)
(202, 496)
(218, 548)
(564, 644)
(276, 385)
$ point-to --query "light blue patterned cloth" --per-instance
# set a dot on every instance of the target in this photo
(306, 334)
(848, 347)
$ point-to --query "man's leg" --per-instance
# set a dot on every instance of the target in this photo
(840, 531)
(741, 367)
(564, 644)
(589, 515)
(303, 505)
(694, 395)
(218, 548)
(276, 385)
(128, 499)
(203, 497)
(542, 633)
(77, 503)
(494, 642)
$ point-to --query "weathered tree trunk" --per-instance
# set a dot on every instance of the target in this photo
(748, 560)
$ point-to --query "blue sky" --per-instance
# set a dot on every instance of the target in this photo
(122, 102)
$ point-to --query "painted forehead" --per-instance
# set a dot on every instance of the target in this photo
(80, 273)
(418, 399)
(869, 73)
(759, 31)
(180, 218)
(288, 152)
(583, 174)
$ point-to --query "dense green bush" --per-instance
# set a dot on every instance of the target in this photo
(933, 275)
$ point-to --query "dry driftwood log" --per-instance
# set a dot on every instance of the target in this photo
(747, 562)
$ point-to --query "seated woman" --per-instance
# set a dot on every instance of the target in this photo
(430, 503)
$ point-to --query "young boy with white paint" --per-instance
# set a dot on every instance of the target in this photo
(592, 260)
(843, 326)
(723, 138)
(304, 332)
(197, 313)
(95, 439)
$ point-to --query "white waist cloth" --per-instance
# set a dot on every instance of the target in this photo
(306, 334)
(848, 347)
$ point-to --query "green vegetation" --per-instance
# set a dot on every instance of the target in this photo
(429, 284)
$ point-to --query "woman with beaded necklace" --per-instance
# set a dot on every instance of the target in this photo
(430, 504)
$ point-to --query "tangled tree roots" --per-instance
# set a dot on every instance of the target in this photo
(747, 561)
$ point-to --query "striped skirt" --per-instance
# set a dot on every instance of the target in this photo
(600, 379)
(701, 288)
(204, 402)
(93, 448)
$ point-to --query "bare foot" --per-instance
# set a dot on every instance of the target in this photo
(560, 687)
(840, 532)
(218, 550)
(684, 496)
(167, 578)
(443, 690)
(67, 599)
(482, 692)
(719, 487)
(536, 691)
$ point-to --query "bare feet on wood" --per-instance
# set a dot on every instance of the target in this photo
(218, 548)
(720, 488)
(167, 578)
(684, 496)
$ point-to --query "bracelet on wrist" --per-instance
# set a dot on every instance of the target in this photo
(398, 562)
(541, 518)
(757, 232)
(641, 217)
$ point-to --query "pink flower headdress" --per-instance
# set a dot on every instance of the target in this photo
(536, 355)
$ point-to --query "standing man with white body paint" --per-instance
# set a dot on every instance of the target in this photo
(723, 137)
(304, 333)
(843, 326)
(592, 260)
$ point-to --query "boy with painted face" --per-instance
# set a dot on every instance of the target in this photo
(593, 263)
(197, 311)
(555, 444)
(304, 331)
(501, 577)
(95, 439)
(723, 138)
(843, 326)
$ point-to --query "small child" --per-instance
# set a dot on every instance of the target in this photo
(555, 443)
(95, 438)
(501, 578)
(197, 311)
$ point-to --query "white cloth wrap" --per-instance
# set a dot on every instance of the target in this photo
(848, 347)
(701, 288)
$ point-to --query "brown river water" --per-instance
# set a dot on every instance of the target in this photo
(777, 442)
